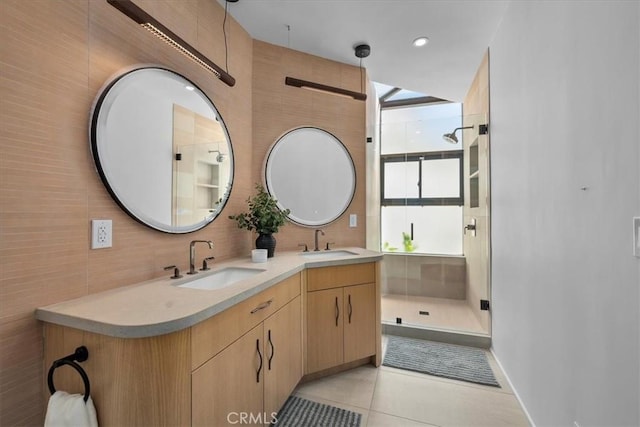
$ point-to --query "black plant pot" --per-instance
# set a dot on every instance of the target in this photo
(268, 242)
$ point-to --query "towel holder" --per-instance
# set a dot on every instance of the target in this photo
(81, 354)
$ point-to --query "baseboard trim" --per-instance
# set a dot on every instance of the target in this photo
(515, 392)
(451, 337)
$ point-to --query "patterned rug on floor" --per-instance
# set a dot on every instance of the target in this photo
(444, 360)
(298, 412)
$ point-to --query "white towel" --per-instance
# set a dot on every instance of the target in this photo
(70, 410)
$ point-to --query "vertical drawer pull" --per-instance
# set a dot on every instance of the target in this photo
(260, 356)
(337, 311)
(273, 349)
(350, 308)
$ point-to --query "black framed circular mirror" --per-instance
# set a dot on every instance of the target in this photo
(162, 149)
(310, 172)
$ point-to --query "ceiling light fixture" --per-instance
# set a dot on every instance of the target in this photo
(420, 41)
(291, 81)
(148, 22)
(362, 51)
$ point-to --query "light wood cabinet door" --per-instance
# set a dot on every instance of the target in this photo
(283, 356)
(230, 384)
(324, 329)
(359, 321)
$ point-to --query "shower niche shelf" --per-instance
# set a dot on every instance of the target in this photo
(474, 175)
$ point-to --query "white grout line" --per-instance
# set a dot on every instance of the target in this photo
(515, 392)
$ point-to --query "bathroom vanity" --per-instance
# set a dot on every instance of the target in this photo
(164, 353)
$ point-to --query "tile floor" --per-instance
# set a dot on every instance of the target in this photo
(393, 397)
(444, 313)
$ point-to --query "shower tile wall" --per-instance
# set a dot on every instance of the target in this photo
(427, 276)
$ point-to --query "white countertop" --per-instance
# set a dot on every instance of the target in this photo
(159, 306)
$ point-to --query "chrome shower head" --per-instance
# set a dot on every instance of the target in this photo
(220, 157)
(451, 138)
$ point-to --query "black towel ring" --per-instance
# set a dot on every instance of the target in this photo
(81, 355)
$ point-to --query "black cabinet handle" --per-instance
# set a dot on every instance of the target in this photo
(260, 356)
(337, 311)
(272, 349)
(350, 308)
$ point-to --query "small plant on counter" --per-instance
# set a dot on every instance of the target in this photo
(264, 217)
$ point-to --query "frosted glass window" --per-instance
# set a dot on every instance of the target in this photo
(441, 178)
(419, 128)
(400, 180)
(436, 229)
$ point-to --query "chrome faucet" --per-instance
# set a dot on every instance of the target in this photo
(192, 254)
(316, 239)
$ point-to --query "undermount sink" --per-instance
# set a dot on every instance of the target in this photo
(327, 254)
(222, 278)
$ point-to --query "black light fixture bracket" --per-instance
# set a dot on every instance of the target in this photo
(291, 81)
(150, 23)
(362, 50)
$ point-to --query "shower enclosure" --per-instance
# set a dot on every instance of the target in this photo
(434, 223)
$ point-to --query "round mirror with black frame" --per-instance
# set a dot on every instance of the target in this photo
(162, 149)
(310, 172)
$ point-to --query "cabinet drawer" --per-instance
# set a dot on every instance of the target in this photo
(339, 276)
(210, 337)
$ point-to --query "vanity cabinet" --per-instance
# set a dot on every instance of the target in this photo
(252, 377)
(341, 318)
(246, 360)
(238, 366)
(226, 386)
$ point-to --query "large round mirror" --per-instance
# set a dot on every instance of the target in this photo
(162, 149)
(310, 172)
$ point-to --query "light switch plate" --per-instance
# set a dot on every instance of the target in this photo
(636, 236)
(101, 233)
(353, 220)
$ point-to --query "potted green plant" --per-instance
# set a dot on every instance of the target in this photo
(264, 217)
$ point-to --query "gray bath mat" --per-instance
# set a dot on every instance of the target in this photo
(444, 360)
(298, 412)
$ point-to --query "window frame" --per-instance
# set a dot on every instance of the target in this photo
(419, 157)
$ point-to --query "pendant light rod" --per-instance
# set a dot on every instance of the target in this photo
(291, 81)
(150, 23)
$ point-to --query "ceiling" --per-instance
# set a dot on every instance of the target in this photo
(459, 33)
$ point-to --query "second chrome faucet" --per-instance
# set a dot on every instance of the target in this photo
(192, 254)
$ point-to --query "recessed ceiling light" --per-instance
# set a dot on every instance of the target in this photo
(420, 41)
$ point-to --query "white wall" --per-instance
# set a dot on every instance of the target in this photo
(564, 115)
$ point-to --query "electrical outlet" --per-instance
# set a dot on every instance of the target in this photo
(353, 220)
(101, 233)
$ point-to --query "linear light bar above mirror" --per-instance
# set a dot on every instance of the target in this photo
(148, 22)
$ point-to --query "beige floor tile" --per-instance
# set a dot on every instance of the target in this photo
(444, 313)
(353, 387)
(444, 403)
(337, 404)
(378, 419)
